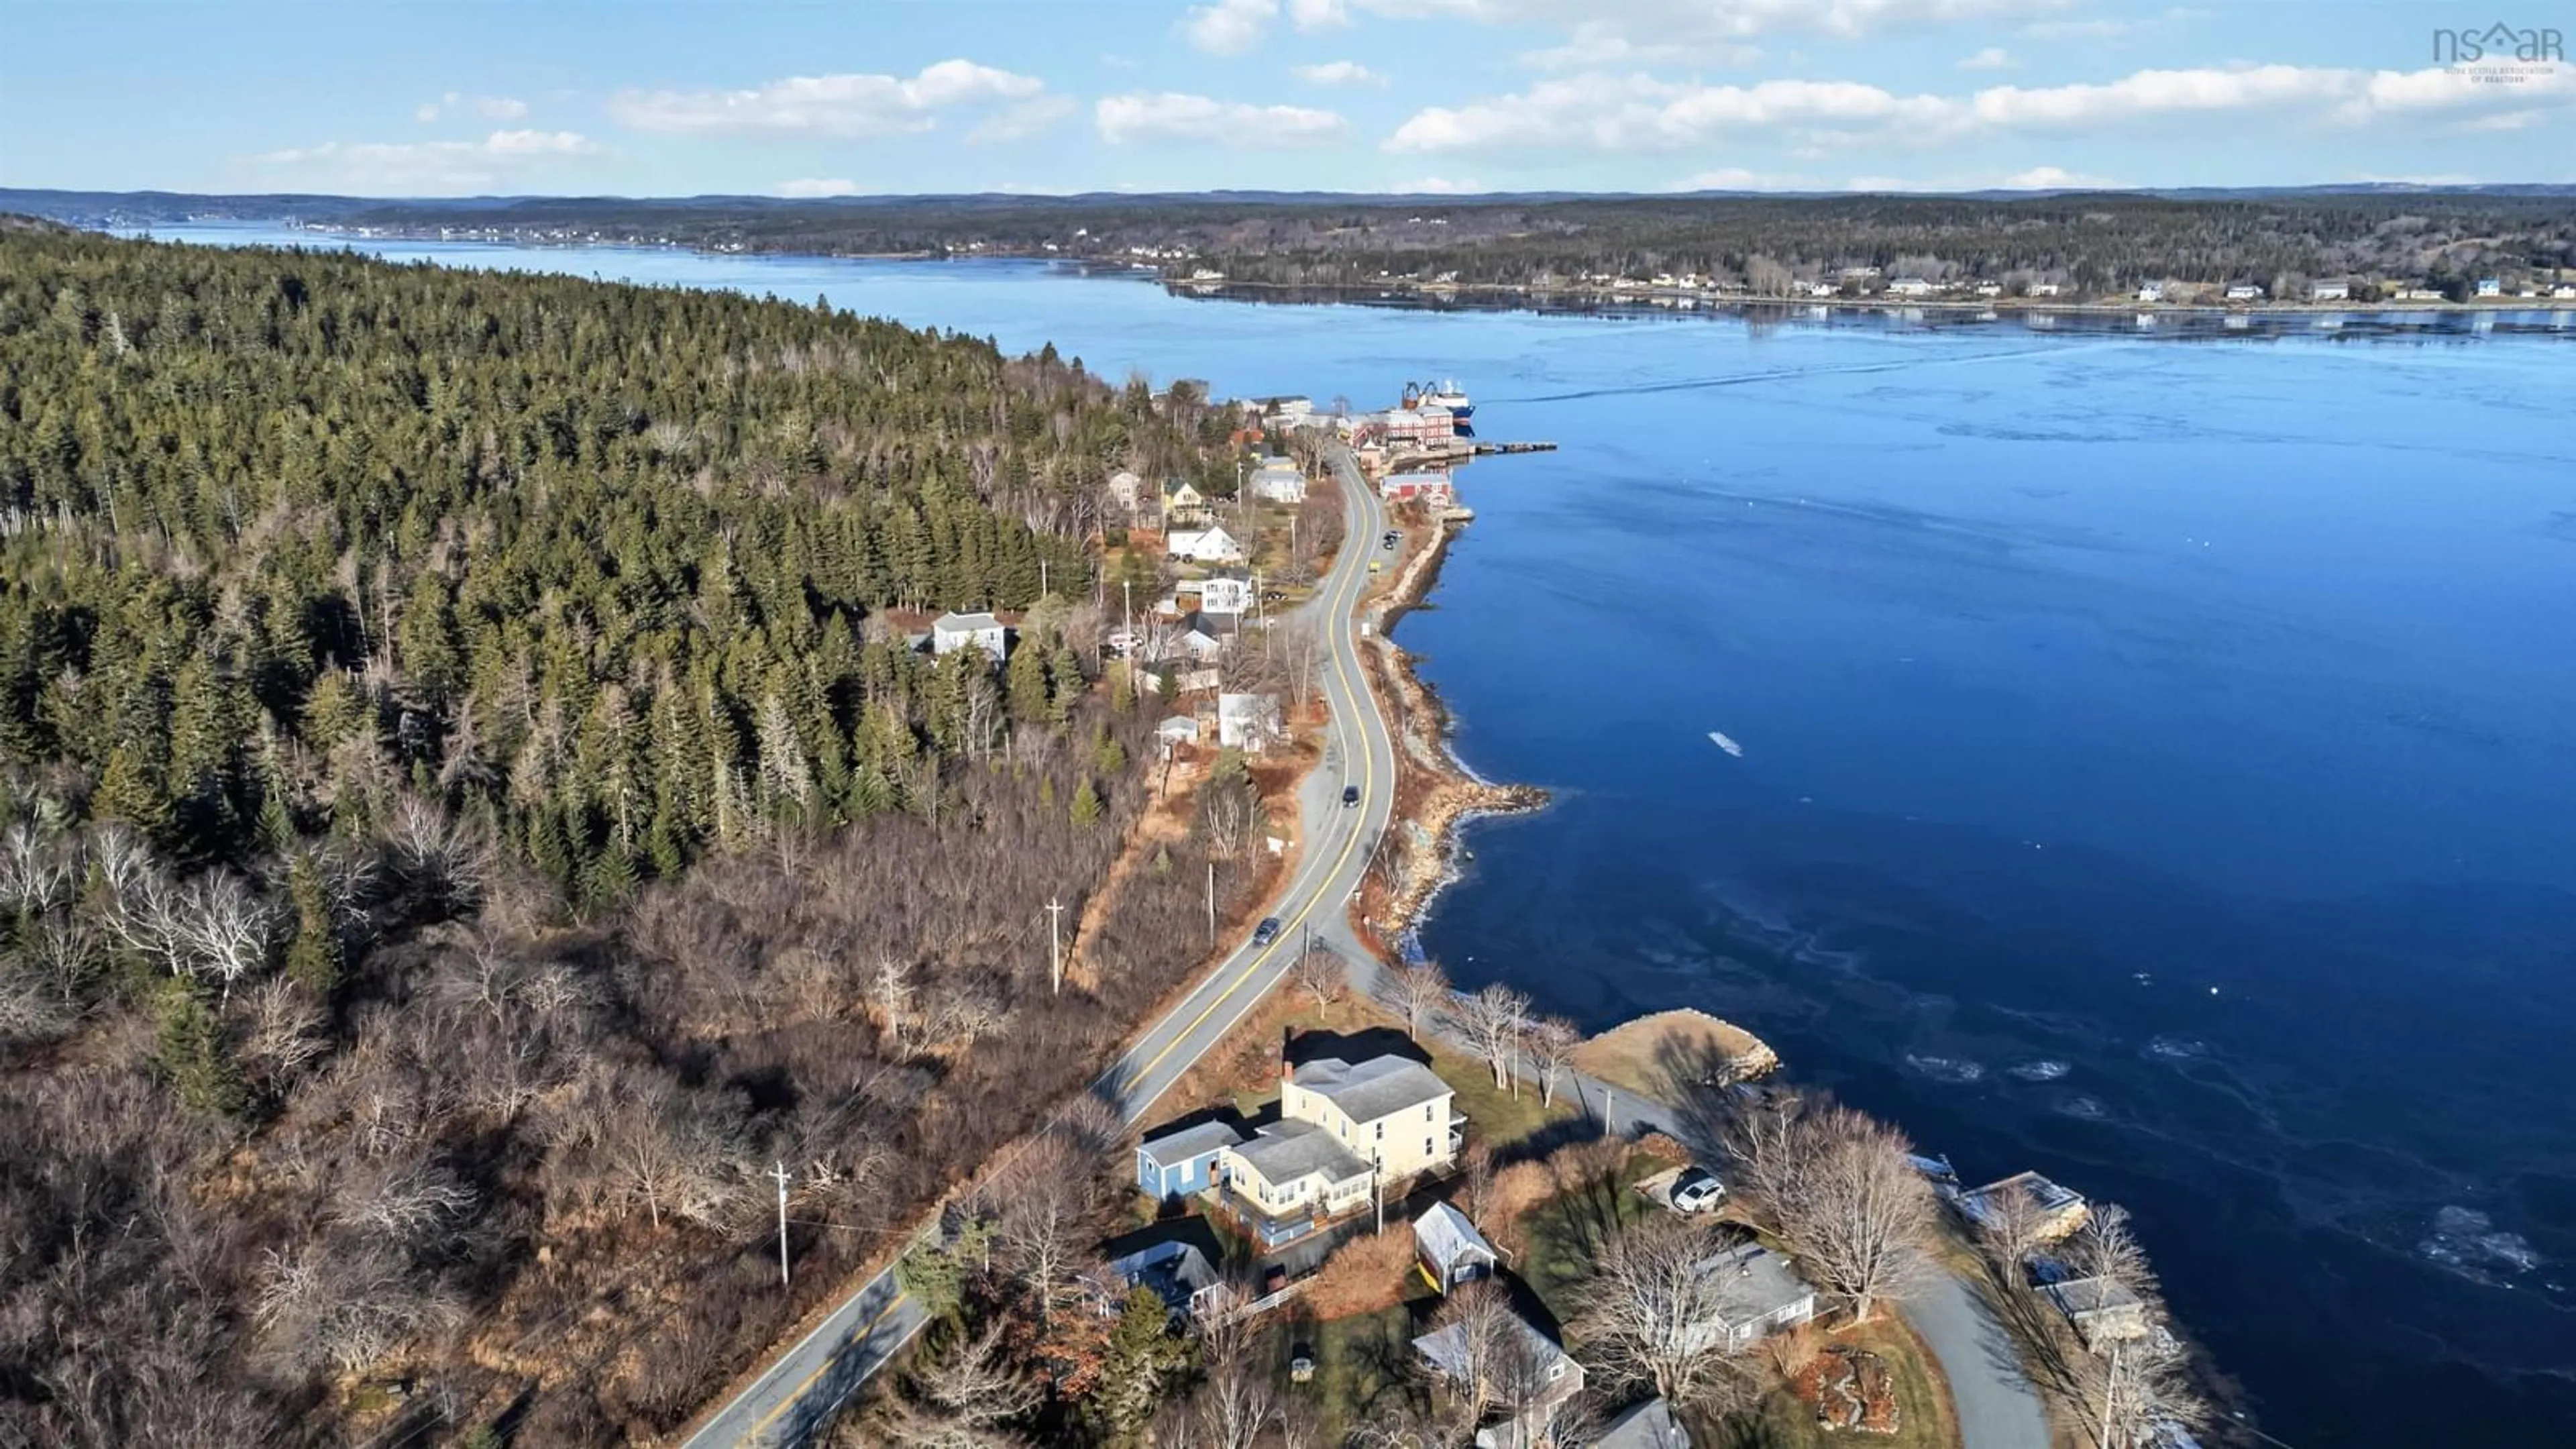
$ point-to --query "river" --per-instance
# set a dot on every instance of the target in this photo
(2159, 754)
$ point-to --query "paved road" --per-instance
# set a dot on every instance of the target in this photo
(1998, 1407)
(799, 1392)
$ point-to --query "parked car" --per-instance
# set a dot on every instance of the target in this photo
(1696, 1190)
(1376, 565)
(1392, 538)
(1266, 932)
(1350, 795)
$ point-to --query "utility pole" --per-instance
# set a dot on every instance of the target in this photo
(1211, 902)
(2110, 1390)
(1609, 1110)
(778, 1170)
(1042, 578)
(1055, 944)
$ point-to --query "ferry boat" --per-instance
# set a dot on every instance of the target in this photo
(1451, 396)
(1440, 394)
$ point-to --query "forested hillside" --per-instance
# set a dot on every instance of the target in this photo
(470, 806)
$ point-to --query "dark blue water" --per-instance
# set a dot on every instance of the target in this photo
(2159, 757)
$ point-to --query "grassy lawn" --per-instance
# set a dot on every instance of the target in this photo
(1362, 1363)
(1784, 1421)
(1566, 1233)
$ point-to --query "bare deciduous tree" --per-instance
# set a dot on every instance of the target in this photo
(1480, 1323)
(1238, 1399)
(1491, 1020)
(2011, 1224)
(2107, 1246)
(1652, 1309)
(443, 861)
(1854, 1210)
(1550, 1042)
(1418, 992)
(1321, 977)
(2137, 1393)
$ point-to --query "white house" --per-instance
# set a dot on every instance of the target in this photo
(2330, 292)
(1279, 481)
(1183, 506)
(1203, 636)
(1223, 594)
(952, 632)
(1203, 545)
(2044, 289)
(1180, 729)
(2244, 292)
(2152, 292)
(1247, 721)
(1911, 287)
(1990, 289)
(1125, 488)
(2490, 287)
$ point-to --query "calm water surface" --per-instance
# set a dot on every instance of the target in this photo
(2159, 757)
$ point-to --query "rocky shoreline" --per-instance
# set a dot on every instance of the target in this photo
(1436, 793)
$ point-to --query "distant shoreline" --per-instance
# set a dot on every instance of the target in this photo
(1736, 302)
(1505, 292)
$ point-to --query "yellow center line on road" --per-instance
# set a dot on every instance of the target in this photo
(1368, 773)
(796, 1395)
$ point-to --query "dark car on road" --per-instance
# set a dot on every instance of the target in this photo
(1350, 795)
(1392, 537)
(1266, 932)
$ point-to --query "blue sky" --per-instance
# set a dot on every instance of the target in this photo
(688, 96)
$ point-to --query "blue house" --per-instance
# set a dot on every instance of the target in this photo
(1182, 1161)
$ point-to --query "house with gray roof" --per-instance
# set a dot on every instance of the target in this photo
(1757, 1294)
(1649, 1425)
(951, 632)
(1176, 1270)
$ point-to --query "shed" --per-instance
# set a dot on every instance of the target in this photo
(1181, 1161)
(2103, 1310)
(1180, 729)
(1449, 1248)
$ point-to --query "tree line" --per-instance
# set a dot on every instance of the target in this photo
(470, 807)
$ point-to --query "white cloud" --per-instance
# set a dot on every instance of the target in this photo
(2056, 178)
(490, 108)
(843, 105)
(1319, 14)
(1639, 32)
(1340, 73)
(2157, 93)
(1020, 121)
(1993, 57)
(1229, 27)
(1170, 116)
(1438, 186)
(416, 168)
(807, 187)
(1639, 113)
(1598, 111)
